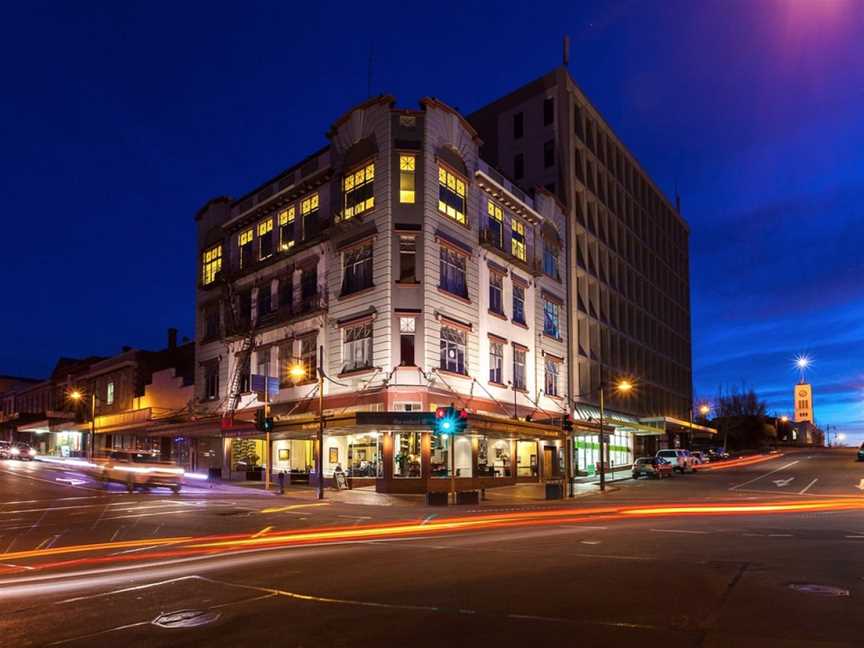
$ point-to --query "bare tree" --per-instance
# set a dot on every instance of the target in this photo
(739, 402)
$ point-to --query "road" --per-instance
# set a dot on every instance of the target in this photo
(765, 554)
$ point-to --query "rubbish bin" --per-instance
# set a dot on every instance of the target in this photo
(554, 491)
(436, 499)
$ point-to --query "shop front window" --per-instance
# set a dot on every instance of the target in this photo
(440, 454)
(526, 459)
(364, 457)
(493, 458)
(406, 455)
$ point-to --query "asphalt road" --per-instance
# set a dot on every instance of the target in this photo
(769, 554)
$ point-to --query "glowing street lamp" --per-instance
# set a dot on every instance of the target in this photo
(78, 396)
(622, 387)
(704, 409)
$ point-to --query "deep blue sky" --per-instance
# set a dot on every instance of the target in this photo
(120, 119)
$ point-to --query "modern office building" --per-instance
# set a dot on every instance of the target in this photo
(412, 275)
(627, 258)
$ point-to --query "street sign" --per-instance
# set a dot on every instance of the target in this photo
(257, 383)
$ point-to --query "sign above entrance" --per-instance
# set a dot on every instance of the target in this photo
(426, 419)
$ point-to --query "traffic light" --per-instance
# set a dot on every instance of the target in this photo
(263, 423)
(449, 420)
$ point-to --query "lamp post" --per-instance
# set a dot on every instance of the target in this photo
(320, 373)
(624, 386)
(78, 396)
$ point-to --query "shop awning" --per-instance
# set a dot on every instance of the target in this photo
(673, 424)
(621, 421)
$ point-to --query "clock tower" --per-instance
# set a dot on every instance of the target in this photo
(803, 400)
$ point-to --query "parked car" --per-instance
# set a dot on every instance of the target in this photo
(717, 454)
(681, 460)
(5, 450)
(651, 467)
(861, 453)
(700, 457)
(134, 468)
(22, 452)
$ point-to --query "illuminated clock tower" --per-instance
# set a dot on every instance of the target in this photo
(803, 399)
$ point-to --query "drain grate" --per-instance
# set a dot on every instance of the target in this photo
(820, 590)
(185, 618)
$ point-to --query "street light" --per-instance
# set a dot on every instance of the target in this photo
(622, 387)
(704, 409)
(78, 396)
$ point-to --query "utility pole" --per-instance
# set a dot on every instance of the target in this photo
(602, 443)
(92, 424)
(268, 452)
(321, 422)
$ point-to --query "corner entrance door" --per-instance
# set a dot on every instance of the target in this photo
(548, 458)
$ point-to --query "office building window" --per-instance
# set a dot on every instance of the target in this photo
(357, 269)
(453, 272)
(265, 239)
(548, 111)
(309, 213)
(496, 290)
(518, 367)
(517, 239)
(518, 166)
(359, 190)
(211, 264)
(407, 330)
(357, 347)
(407, 169)
(551, 318)
(552, 373)
(518, 304)
(408, 259)
(496, 362)
(549, 154)
(109, 393)
(453, 350)
(245, 243)
(518, 125)
(286, 228)
(495, 224)
(451, 195)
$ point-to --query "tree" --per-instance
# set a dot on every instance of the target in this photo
(739, 403)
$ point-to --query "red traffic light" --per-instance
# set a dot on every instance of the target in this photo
(441, 412)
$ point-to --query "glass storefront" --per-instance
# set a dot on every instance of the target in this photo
(587, 452)
(440, 455)
(357, 455)
(493, 457)
(407, 455)
(462, 454)
(526, 459)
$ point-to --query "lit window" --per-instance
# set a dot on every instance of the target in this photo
(553, 371)
(517, 239)
(453, 272)
(518, 368)
(109, 394)
(551, 319)
(451, 195)
(357, 347)
(495, 224)
(265, 239)
(358, 188)
(518, 304)
(309, 213)
(286, 228)
(211, 264)
(245, 242)
(453, 350)
(407, 167)
(357, 269)
(496, 362)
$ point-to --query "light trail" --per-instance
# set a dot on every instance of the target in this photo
(738, 463)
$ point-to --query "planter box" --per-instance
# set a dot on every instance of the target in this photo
(468, 497)
(437, 499)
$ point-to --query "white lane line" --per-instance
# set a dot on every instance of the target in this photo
(808, 486)
(858, 537)
(680, 531)
(776, 470)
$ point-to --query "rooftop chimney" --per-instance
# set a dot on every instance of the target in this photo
(172, 338)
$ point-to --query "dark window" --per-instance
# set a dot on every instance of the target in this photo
(453, 272)
(518, 166)
(265, 301)
(357, 269)
(408, 259)
(550, 262)
(211, 381)
(495, 224)
(518, 304)
(549, 154)
(551, 319)
(244, 307)
(518, 368)
(453, 350)
(310, 213)
(265, 239)
(309, 355)
(495, 293)
(211, 322)
(548, 111)
(577, 165)
(309, 288)
(407, 329)
(286, 293)
(496, 362)
(518, 125)
(246, 258)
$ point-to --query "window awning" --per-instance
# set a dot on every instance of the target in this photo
(673, 424)
(618, 420)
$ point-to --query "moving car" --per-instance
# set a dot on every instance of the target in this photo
(681, 460)
(717, 454)
(651, 467)
(861, 453)
(134, 468)
(5, 450)
(699, 457)
(22, 452)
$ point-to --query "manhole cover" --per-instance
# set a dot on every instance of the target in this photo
(185, 619)
(819, 590)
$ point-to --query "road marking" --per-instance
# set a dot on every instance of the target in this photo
(428, 518)
(776, 470)
(782, 483)
(279, 509)
(779, 535)
(859, 537)
(680, 531)
(262, 532)
(590, 542)
(128, 551)
(808, 486)
(860, 485)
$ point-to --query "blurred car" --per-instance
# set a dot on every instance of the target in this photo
(717, 454)
(681, 460)
(5, 450)
(700, 457)
(861, 453)
(141, 469)
(651, 467)
(22, 452)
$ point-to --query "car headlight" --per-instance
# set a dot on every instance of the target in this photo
(32, 452)
(15, 451)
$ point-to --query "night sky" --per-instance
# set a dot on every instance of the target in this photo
(119, 122)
